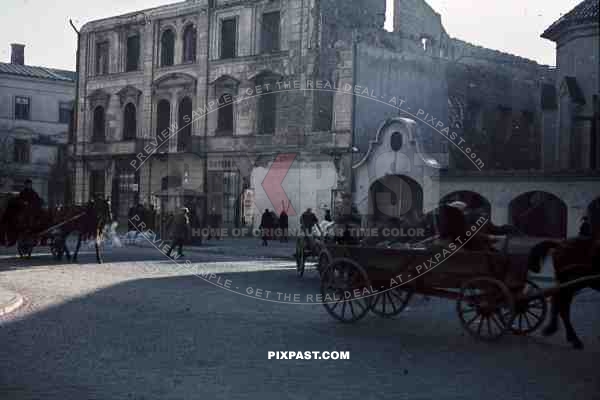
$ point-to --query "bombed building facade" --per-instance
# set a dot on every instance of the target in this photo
(232, 107)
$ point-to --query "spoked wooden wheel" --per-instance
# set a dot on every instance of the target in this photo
(300, 257)
(485, 308)
(530, 310)
(392, 301)
(342, 285)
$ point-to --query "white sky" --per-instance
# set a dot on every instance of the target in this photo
(512, 26)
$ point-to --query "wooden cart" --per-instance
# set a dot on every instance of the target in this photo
(492, 292)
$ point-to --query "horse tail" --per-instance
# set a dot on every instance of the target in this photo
(538, 253)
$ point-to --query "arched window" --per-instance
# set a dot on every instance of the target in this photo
(225, 121)
(98, 131)
(129, 122)
(185, 125)
(167, 43)
(189, 44)
(163, 120)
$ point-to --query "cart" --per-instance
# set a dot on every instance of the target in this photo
(492, 293)
(41, 229)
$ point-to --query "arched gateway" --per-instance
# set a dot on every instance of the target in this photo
(395, 196)
(395, 177)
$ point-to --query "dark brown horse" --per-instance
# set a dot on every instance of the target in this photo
(88, 222)
(573, 260)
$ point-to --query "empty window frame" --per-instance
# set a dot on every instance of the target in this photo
(269, 37)
(228, 38)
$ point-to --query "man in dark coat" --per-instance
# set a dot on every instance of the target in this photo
(180, 227)
(308, 221)
(29, 197)
(30, 205)
(283, 225)
(266, 225)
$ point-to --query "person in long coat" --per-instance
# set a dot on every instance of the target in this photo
(283, 225)
(180, 231)
(266, 225)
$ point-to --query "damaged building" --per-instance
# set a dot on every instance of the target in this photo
(290, 104)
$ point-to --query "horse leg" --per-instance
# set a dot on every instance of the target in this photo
(77, 247)
(565, 314)
(98, 240)
(66, 249)
(552, 326)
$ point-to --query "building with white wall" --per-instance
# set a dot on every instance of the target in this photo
(36, 106)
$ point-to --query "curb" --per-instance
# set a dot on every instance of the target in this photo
(13, 304)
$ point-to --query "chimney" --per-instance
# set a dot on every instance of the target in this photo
(17, 54)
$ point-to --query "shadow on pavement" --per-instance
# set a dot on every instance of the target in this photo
(181, 338)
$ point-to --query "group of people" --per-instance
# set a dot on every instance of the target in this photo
(272, 226)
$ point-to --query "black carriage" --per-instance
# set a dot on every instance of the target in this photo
(28, 229)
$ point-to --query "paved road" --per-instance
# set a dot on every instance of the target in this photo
(139, 327)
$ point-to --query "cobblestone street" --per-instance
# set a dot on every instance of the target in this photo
(139, 327)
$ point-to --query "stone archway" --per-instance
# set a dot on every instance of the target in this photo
(394, 196)
(539, 213)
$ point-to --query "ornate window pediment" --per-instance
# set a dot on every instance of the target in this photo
(98, 98)
(176, 80)
(129, 94)
(226, 82)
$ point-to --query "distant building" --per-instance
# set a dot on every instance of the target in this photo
(479, 133)
(36, 107)
(574, 143)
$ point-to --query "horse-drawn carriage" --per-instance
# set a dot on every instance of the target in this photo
(492, 292)
(28, 227)
(477, 270)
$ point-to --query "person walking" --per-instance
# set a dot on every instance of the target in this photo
(308, 221)
(266, 225)
(180, 231)
(283, 225)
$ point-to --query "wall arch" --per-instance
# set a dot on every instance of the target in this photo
(539, 213)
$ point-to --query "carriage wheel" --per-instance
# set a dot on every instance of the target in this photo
(391, 302)
(485, 308)
(340, 282)
(529, 314)
(300, 257)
